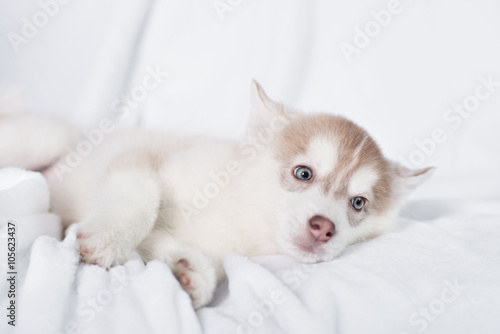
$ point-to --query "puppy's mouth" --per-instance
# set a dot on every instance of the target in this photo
(314, 247)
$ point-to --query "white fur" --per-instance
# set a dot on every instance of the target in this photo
(323, 154)
(39, 141)
(140, 190)
(362, 181)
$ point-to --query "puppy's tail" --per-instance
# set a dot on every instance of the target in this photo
(32, 141)
(10, 100)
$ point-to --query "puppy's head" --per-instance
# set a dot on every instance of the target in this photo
(328, 182)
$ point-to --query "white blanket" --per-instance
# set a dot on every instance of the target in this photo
(439, 272)
(441, 275)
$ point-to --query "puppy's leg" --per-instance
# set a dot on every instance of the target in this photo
(33, 141)
(195, 271)
(126, 213)
(196, 274)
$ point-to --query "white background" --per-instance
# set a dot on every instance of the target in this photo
(427, 58)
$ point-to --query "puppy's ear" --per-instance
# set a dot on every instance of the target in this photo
(264, 111)
(406, 180)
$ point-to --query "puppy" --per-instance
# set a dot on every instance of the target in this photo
(304, 185)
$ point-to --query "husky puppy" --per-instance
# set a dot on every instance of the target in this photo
(304, 185)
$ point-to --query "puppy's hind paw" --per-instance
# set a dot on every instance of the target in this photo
(197, 279)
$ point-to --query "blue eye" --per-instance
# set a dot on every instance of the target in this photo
(303, 173)
(358, 203)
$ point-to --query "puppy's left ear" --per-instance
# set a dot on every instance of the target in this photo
(264, 111)
(406, 180)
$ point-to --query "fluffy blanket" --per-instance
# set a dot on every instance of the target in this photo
(438, 272)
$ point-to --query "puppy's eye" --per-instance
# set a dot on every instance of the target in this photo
(358, 203)
(303, 173)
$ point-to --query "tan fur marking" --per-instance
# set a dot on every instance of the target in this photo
(355, 149)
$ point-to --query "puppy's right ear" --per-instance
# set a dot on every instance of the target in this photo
(264, 111)
(408, 179)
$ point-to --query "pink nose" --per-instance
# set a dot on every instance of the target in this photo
(321, 228)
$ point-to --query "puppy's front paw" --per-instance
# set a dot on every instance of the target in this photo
(198, 279)
(99, 246)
